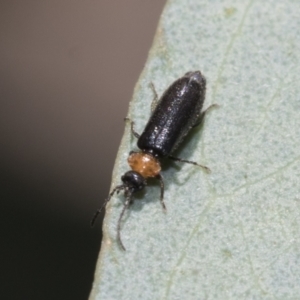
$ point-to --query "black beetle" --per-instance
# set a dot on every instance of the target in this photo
(176, 113)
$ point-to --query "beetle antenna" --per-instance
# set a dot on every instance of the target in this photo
(116, 189)
(126, 205)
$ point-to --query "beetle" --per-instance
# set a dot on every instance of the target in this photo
(176, 113)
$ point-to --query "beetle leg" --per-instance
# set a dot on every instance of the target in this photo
(189, 162)
(202, 115)
(132, 128)
(155, 99)
(162, 189)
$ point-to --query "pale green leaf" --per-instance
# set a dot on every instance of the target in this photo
(234, 233)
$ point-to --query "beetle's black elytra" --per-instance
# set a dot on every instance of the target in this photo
(176, 113)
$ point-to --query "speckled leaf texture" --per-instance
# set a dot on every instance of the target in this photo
(234, 233)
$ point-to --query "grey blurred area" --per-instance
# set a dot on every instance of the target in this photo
(67, 73)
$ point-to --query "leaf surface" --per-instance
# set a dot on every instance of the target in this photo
(234, 233)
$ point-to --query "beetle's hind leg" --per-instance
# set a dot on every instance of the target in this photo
(199, 121)
(202, 115)
(155, 99)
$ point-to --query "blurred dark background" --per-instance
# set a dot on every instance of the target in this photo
(67, 73)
